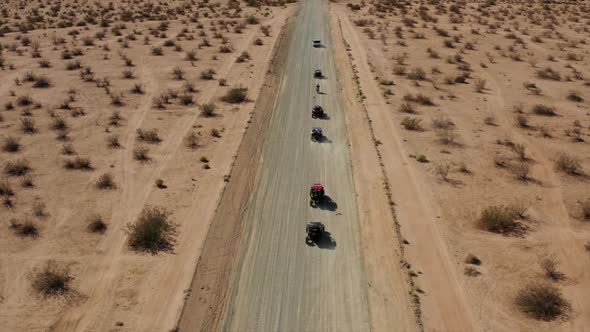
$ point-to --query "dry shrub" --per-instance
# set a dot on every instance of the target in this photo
(106, 181)
(499, 219)
(544, 110)
(542, 301)
(52, 279)
(575, 96)
(113, 141)
(28, 125)
(519, 150)
(472, 259)
(550, 267)
(585, 206)
(192, 140)
(410, 123)
(442, 122)
(568, 164)
(208, 109)
(11, 144)
(548, 73)
(96, 224)
(178, 73)
(149, 136)
(25, 229)
(521, 170)
(186, 99)
(420, 99)
(153, 231)
(480, 85)
(442, 171)
(207, 74)
(470, 271)
(141, 153)
(236, 95)
(78, 163)
(447, 136)
(407, 108)
(522, 121)
(18, 167)
(417, 74)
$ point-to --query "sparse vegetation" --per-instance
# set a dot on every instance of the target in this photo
(542, 301)
(499, 219)
(568, 164)
(106, 181)
(236, 95)
(153, 231)
(52, 279)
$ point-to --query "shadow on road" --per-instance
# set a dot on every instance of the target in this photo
(327, 204)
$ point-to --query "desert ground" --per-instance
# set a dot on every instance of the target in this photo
(479, 112)
(156, 160)
(94, 113)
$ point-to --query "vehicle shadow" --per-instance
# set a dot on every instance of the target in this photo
(327, 204)
(326, 241)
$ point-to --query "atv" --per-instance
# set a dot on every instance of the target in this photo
(316, 134)
(315, 230)
(316, 194)
(318, 74)
(317, 112)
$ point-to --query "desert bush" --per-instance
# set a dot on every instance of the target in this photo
(442, 171)
(236, 95)
(568, 164)
(575, 96)
(192, 140)
(407, 108)
(68, 149)
(520, 150)
(585, 206)
(24, 100)
(106, 181)
(73, 65)
(480, 85)
(186, 99)
(115, 118)
(191, 56)
(499, 219)
(490, 120)
(113, 141)
(411, 123)
(548, 73)
(442, 122)
(6, 189)
(59, 123)
(117, 99)
(78, 163)
(532, 88)
(178, 73)
(544, 110)
(225, 49)
(96, 224)
(447, 136)
(153, 231)
(128, 74)
(137, 89)
(207, 74)
(39, 209)
(208, 109)
(470, 271)
(245, 56)
(11, 144)
(42, 82)
(399, 70)
(141, 153)
(157, 51)
(17, 167)
(521, 170)
(542, 301)
(522, 121)
(52, 279)
(419, 98)
(258, 42)
(472, 259)
(44, 63)
(417, 74)
(550, 267)
(149, 136)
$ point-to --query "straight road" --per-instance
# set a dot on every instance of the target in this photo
(281, 284)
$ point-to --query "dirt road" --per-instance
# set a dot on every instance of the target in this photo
(281, 283)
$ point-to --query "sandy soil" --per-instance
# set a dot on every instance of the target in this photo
(115, 288)
(439, 203)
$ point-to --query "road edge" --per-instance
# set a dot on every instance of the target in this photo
(206, 298)
(364, 126)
